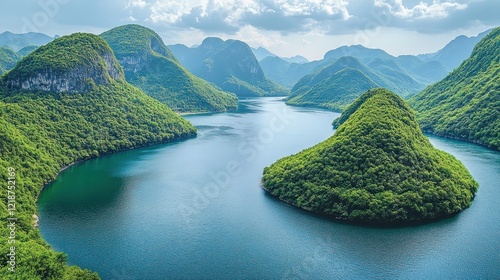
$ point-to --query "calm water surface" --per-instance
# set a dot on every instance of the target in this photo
(194, 209)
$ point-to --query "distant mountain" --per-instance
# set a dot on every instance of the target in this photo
(377, 169)
(421, 72)
(19, 41)
(337, 85)
(27, 50)
(150, 66)
(230, 65)
(8, 59)
(335, 92)
(68, 101)
(261, 53)
(360, 52)
(456, 51)
(466, 104)
(296, 59)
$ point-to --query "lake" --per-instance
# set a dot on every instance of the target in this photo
(194, 209)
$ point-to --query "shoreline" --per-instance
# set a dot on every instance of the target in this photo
(37, 219)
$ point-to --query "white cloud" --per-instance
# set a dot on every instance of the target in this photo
(137, 3)
(232, 15)
(422, 10)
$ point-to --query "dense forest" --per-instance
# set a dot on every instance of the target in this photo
(341, 82)
(44, 131)
(8, 59)
(466, 104)
(150, 66)
(378, 168)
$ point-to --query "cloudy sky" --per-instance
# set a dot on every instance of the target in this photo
(285, 27)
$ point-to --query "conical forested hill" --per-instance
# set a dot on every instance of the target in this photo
(466, 104)
(150, 66)
(67, 101)
(378, 168)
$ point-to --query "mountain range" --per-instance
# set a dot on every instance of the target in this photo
(340, 83)
(230, 64)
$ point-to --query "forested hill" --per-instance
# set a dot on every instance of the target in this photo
(150, 66)
(67, 101)
(8, 59)
(378, 168)
(466, 104)
(340, 83)
(229, 64)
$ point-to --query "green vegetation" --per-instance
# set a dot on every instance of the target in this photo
(150, 66)
(335, 92)
(27, 50)
(378, 168)
(82, 53)
(466, 104)
(8, 59)
(340, 83)
(43, 131)
(231, 65)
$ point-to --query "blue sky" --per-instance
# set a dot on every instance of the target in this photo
(285, 27)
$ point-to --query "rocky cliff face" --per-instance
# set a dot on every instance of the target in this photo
(74, 63)
(79, 79)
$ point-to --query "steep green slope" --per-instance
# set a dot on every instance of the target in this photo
(27, 50)
(378, 168)
(8, 59)
(150, 66)
(335, 92)
(332, 89)
(466, 104)
(230, 65)
(45, 126)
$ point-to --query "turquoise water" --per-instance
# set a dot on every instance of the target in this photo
(194, 209)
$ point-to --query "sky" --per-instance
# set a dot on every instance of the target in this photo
(285, 27)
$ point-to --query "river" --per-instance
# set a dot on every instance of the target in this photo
(194, 210)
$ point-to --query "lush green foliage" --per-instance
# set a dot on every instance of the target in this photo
(68, 53)
(340, 83)
(334, 92)
(150, 66)
(378, 168)
(231, 65)
(18, 41)
(466, 104)
(27, 50)
(41, 132)
(8, 59)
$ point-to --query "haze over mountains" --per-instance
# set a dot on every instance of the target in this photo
(230, 64)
